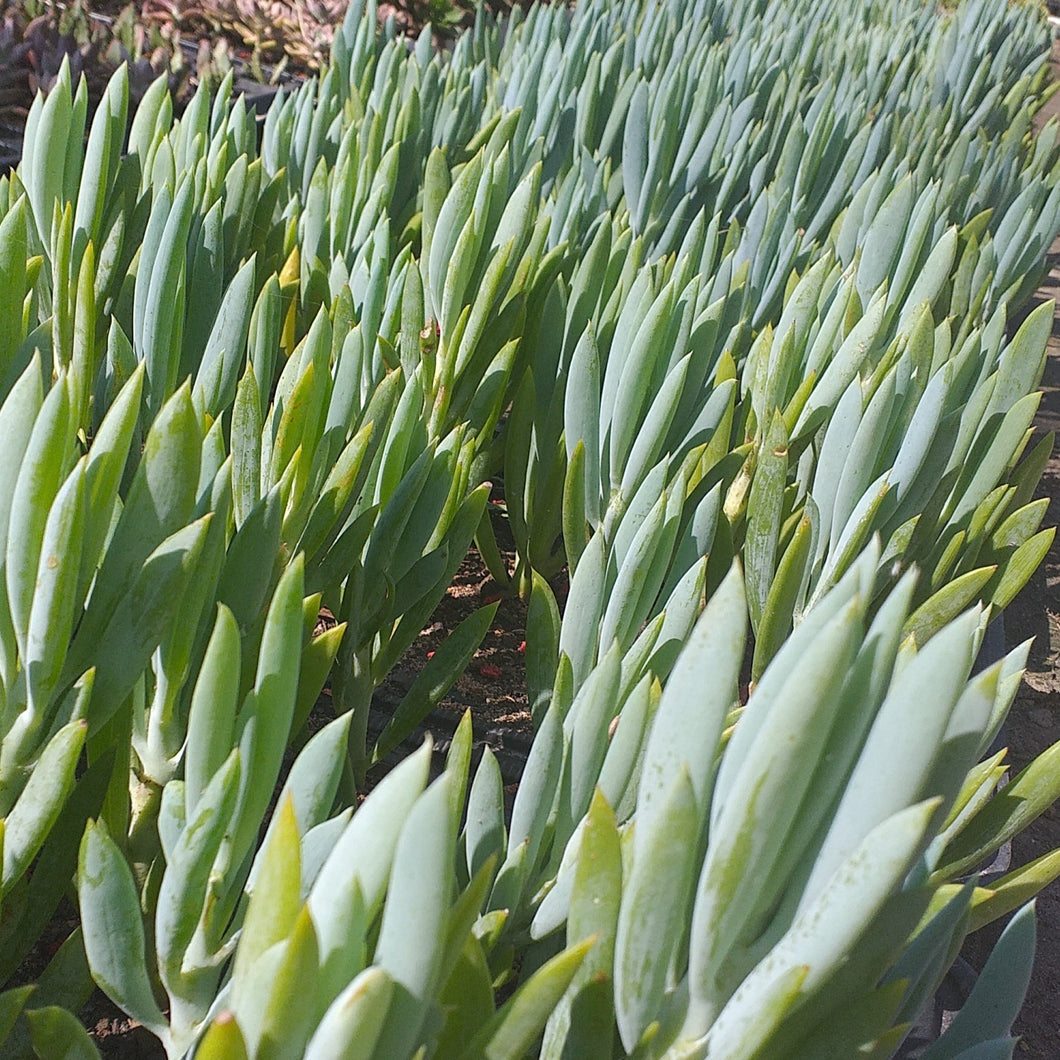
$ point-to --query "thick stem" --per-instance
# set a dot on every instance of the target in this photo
(351, 692)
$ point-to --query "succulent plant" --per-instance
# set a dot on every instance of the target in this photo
(719, 293)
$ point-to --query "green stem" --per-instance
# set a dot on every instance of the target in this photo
(351, 692)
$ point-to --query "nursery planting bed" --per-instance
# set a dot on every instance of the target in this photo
(492, 689)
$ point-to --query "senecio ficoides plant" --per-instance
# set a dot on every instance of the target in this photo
(721, 291)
